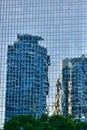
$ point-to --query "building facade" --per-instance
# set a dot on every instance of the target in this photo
(27, 82)
(71, 97)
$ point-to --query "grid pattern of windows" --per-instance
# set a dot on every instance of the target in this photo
(72, 87)
(63, 26)
(27, 77)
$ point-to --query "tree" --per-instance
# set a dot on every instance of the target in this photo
(45, 122)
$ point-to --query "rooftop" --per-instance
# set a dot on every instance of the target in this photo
(29, 37)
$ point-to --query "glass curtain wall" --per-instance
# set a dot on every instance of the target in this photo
(63, 26)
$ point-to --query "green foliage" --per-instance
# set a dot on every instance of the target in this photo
(54, 122)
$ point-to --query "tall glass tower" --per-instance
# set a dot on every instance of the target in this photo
(71, 95)
(27, 77)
